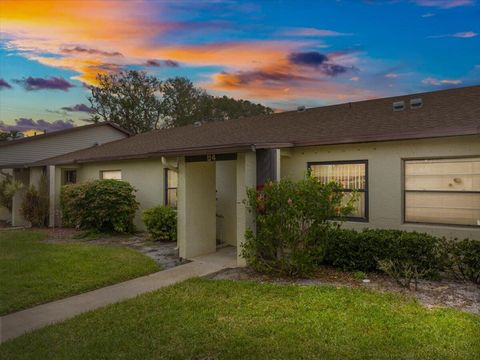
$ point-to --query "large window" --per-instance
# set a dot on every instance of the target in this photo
(171, 183)
(443, 191)
(353, 176)
(111, 174)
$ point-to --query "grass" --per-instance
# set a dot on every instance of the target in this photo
(212, 319)
(34, 272)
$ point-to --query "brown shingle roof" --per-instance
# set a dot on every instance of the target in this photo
(444, 113)
(62, 132)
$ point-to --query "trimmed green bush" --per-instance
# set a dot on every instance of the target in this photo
(102, 205)
(292, 221)
(352, 250)
(463, 259)
(35, 205)
(161, 223)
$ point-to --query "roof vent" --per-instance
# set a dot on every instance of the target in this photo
(416, 103)
(301, 108)
(197, 124)
(399, 105)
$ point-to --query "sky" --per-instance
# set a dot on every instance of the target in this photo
(282, 54)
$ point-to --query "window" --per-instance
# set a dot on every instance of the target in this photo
(352, 175)
(443, 191)
(111, 174)
(69, 177)
(171, 184)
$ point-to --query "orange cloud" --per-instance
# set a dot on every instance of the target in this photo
(95, 36)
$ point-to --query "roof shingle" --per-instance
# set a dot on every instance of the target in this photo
(444, 113)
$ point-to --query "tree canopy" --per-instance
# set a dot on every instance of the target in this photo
(139, 102)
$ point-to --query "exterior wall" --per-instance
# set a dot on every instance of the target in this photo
(196, 208)
(385, 176)
(147, 176)
(31, 151)
(226, 183)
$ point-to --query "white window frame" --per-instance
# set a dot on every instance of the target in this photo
(102, 172)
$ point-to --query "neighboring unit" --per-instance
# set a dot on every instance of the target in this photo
(16, 155)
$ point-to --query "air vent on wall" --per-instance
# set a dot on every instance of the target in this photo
(399, 105)
(416, 103)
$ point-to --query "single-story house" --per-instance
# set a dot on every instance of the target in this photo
(16, 155)
(414, 159)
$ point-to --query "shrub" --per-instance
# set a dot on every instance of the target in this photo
(292, 221)
(102, 205)
(161, 223)
(35, 205)
(8, 188)
(352, 250)
(463, 259)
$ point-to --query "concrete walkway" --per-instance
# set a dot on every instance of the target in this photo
(18, 323)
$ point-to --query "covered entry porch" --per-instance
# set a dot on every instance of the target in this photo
(211, 193)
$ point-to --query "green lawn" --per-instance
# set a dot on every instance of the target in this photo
(34, 272)
(209, 319)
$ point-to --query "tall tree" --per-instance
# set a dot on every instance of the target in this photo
(182, 102)
(139, 103)
(128, 99)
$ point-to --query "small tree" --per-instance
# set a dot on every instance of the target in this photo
(293, 220)
(35, 205)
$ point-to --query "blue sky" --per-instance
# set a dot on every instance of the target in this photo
(279, 53)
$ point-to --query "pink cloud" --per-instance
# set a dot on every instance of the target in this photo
(309, 31)
(461, 35)
(438, 82)
(445, 4)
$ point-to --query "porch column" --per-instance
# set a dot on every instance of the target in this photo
(246, 178)
(51, 195)
(196, 208)
(23, 176)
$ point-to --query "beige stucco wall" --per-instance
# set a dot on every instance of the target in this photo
(147, 176)
(385, 173)
(196, 208)
(226, 179)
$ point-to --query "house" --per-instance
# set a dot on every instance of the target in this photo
(15, 155)
(414, 160)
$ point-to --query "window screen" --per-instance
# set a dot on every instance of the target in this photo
(443, 191)
(352, 176)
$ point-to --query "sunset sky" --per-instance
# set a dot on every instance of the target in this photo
(279, 53)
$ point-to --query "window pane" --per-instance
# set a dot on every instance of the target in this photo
(444, 208)
(350, 176)
(70, 177)
(443, 175)
(359, 205)
(172, 197)
(112, 174)
(172, 178)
